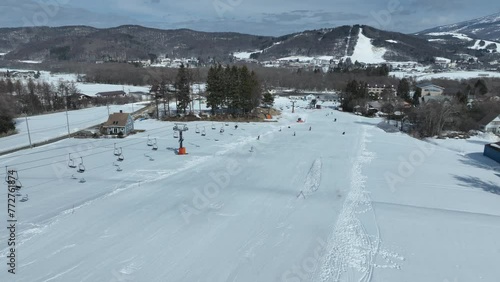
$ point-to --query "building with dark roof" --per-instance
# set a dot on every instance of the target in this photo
(119, 123)
(111, 94)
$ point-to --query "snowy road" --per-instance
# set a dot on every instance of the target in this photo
(310, 207)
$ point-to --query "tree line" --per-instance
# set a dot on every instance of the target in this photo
(233, 90)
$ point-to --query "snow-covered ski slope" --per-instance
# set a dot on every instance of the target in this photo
(318, 206)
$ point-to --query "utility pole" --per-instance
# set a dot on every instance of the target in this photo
(67, 116)
(28, 127)
(199, 98)
(107, 106)
(67, 119)
(157, 108)
(67, 123)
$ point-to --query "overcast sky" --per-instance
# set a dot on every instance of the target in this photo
(262, 17)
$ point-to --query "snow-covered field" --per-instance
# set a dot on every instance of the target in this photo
(257, 203)
(454, 75)
(46, 127)
(453, 34)
(245, 55)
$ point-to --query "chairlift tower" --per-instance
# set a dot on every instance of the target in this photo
(293, 107)
(181, 127)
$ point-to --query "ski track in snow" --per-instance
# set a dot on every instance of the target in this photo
(350, 246)
(62, 273)
(313, 178)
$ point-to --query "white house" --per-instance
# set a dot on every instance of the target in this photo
(140, 95)
(119, 123)
(491, 123)
(310, 97)
(429, 89)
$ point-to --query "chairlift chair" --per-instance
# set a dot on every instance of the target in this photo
(155, 146)
(73, 176)
(18, 194)
(213, 126)
(119, 168)
(25, 198)
(71, 162)
(176, 134)
(18, 184)
(150, 142)
(82, 180)
(203, 133)
(197, 130)
(121, 158)
(221, 130)
(81, 167)
(117, 151)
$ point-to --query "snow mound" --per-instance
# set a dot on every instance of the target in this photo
(487, 136)
(390, 128)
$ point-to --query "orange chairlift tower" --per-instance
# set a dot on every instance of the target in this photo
(181, 127)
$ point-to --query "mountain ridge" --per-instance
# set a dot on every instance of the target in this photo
(136, 42)
(486, 28)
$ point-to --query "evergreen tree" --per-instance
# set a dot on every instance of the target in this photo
(481, 87)
(256, 90)
(6, 114)
(349, 95)
(461, 97)
(215, 95)
(416, 97)
(182, 86)
(403, 90)
(246, 89)
(233, 97)
(268, 99)
(10, 86)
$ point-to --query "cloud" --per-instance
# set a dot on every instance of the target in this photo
(277, 17)
(305, 16)
(21, 13)
(433, 5)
